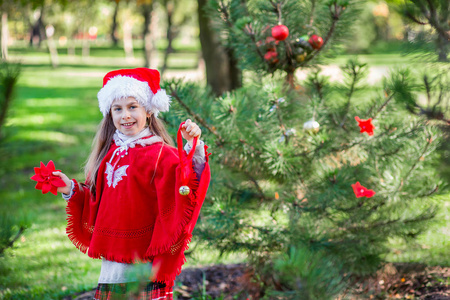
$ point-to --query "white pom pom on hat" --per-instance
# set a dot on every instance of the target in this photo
(140, 83)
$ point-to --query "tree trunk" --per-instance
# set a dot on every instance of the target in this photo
(147, 10)
(442, 48)
(128, 40)
(235, 72)
(37, 30)
(169, 35)
(10, 74)
(4, 36)
(214, 54)
(290, 79)
(114, 25)
(71, 46)
(51, 46)
(85, 48)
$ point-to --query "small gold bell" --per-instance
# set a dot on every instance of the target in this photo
(184, 190)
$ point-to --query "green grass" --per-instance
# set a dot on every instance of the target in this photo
(54, 116)
(184, 57)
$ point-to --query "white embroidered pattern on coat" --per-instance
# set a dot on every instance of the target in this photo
(113, 177)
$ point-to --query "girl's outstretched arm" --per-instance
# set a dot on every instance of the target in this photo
(65, 189)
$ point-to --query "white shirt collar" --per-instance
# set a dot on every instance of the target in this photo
(125, 141)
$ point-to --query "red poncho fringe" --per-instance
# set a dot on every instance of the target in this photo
(138, 213)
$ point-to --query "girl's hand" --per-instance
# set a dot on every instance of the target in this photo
(67, 181)
(190, 130)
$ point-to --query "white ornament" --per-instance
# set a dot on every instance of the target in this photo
(272, 108)
(311, 126)
(290, 132)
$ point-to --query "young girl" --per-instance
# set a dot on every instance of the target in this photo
(131, 209)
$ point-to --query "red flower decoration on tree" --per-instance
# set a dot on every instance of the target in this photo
(46, 181)
(365, 125)
(361, 191)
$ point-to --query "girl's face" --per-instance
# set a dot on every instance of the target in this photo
(128, 116)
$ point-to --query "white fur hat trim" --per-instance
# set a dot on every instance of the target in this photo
(120, 87)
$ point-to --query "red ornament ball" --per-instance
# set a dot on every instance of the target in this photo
(315, 41)
(271, 57)
(280, 32)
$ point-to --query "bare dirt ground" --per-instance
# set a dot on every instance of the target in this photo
(394, 281)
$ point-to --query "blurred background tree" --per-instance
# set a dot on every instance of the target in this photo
(434, 15)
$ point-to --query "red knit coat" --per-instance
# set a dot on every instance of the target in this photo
(138, 213)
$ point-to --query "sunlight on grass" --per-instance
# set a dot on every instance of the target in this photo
(200, 254)
(47, 258)
(35, 120)
(52, 102)
(49, 136)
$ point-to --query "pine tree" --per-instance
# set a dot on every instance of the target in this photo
(435, 14)
(310, 179)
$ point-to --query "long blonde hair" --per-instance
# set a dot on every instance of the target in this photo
(102, 143)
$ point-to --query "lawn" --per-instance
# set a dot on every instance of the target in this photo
(54, 117)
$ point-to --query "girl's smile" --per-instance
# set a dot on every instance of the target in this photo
(128, 125)
(129, 117)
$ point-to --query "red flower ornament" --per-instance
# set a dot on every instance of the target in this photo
(46, 181)
(365, 125)
(361, 191)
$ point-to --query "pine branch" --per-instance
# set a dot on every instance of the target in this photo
(349, 96)
(351, 145)
(260, 192)
(248, 30)
(431, 112)
(409, 15)
(280, 121)
(356, 72)
(431, 15)
(319, 88)
(197, 118)
(428, 89)
(440, 97)
(383, 105)
(256, 152)
(255, 183)
(11, 243)
(430, 192)
(262, 197)
(311, 17)
(277, 8)
(335, 15)
(434, 21)
(226, 15)
(400, 185)
(376, 225)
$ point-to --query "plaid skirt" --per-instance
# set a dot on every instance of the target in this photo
(133, 291)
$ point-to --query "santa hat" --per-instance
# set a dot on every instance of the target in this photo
(140, 83)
